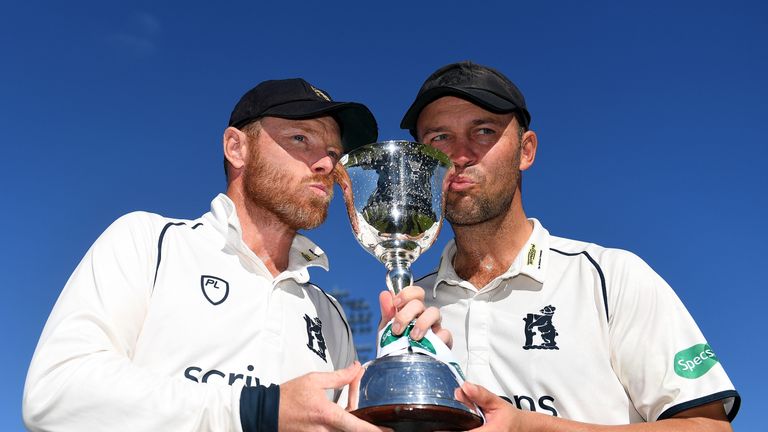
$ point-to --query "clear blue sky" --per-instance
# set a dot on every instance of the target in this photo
(651, 121)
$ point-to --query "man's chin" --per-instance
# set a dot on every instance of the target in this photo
(313, 223)
(464, 216)
(460, 208)
(314, 217)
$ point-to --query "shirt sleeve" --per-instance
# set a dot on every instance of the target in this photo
(259, 408)
(81, 376)
(657, 350)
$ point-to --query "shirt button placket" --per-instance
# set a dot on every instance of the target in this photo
(274, 332)
(477, 335)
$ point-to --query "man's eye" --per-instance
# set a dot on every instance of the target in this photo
(335, 155)
(440, 137)
(486, 131)
(299, 138)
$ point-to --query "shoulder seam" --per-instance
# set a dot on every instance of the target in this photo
(425, 276)
(599, 272)
(328, 297)
(160, 245)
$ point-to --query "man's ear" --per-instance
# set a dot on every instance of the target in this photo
(235, 148)
(528, 149)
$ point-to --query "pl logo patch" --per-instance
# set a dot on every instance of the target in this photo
(214, 289)
(541, 325)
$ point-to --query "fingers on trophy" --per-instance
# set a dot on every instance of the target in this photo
(393, 191)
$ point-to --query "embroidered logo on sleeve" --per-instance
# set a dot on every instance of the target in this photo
(215, 289)
(695, 361)
(541, 325)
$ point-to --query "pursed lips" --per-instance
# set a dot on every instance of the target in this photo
(319, 188)
(458, 183)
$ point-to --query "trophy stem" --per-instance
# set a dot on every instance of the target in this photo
(399, 274)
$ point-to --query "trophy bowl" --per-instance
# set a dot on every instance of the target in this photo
(393, 194)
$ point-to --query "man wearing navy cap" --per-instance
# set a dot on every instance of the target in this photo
(212, 323)
(571, 334)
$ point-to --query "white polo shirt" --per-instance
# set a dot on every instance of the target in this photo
(165, 320)
(579, 331)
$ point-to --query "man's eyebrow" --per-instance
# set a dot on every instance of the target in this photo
(492, 120)
(434, 129)
(303, 127)
(310, 129)
(476, 122)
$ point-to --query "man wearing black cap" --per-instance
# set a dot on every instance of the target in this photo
(212, 324)
(571, 334)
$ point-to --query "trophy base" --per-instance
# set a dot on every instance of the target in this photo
(419, 418)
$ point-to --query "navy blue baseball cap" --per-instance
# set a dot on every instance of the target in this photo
(297, 99)
(481, 85)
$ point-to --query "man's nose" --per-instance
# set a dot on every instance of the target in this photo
(323, 165)
(461, 154)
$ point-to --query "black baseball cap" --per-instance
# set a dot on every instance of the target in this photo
(297, 99)
(481, 85)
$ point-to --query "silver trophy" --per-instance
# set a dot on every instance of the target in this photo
(393, 194)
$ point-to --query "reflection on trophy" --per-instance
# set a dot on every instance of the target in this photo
(393, 194)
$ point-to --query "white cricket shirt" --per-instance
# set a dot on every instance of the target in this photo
(579, 331)
(165, 320)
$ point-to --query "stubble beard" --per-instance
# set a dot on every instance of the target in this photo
(266, 186)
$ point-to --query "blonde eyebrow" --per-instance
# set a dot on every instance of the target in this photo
(311, 130)
(305, 127)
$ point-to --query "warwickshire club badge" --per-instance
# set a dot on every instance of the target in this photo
(540, 325)
(315, 339)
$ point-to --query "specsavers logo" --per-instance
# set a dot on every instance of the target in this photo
(695, 361)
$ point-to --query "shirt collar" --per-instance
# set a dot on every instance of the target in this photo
(303, 253)
(531, 261)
